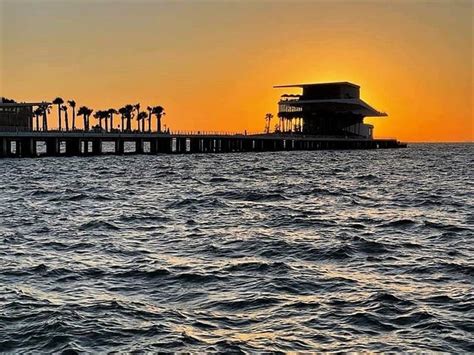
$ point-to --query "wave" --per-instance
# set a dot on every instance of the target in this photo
(98, 225)
(251, 196)
(148, 274)
(311, 251)
(402, 223)
(254, 266)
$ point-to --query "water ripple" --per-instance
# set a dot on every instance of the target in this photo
(288, 251)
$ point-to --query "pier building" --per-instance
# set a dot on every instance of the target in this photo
(325, 116)
(326, 109)
(16, 116)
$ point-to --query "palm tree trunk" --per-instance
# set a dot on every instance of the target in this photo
(37, 123)
(158, 123)
(143, 125)
(73, 118)
(85, 123)
(66, 120)
(123, 126)
(106, 124)
(45, 120)
(111, 122)
(59, 115)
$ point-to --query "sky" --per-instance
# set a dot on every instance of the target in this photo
(212, 64)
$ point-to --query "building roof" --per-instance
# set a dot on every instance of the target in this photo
(341, 83)
(339, 105)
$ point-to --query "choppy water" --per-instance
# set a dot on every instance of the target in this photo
(327, 250)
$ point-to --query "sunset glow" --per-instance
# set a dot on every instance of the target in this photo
(212, 64)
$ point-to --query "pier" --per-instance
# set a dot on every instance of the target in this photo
(325, 116)
(25, 143)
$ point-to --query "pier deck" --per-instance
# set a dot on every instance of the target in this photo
(78, 143)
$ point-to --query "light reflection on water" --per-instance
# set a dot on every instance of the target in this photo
(328, 250)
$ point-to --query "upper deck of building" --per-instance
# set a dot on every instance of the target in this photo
(333, 96)
(322, 91)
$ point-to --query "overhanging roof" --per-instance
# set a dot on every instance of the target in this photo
(316, 84)
(357, 106)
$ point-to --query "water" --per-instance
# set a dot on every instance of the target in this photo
(325, 250)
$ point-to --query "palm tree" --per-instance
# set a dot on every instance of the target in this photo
(38, 112)
(105, 116)
(150, 111)
(111, 112)
(137, 108)
(158, 111)
(45, 109)
(142, 117)
(122, 111)
(268, 120)
(129, 116)
(138, 123)
(89, 113)
(59, 101)
(85, 112)
(72, 103)
(64, 108)
(99, 115)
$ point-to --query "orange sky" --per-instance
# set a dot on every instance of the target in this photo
(212, 64)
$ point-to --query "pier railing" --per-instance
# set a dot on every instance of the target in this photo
(118, 131)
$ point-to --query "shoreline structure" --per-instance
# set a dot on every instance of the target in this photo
(324, 116)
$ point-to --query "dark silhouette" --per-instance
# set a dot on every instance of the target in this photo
(112, 112)
(136, 107)
(268, 120)
(327, 109)
(85, 112)
(38, 112)
(58, 101)
(105, 116)
(64, 108)
(158, 111)
(99, 115)
(150, 111)
(142, 118)
(72, 104)
(45, 109)
(129, 116)
(305, 123)
(122, 112)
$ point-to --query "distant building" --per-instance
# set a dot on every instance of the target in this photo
(328, 109)
(16, 116)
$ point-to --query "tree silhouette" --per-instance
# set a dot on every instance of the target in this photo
(129, 116)
(142, 117)
(158, 111)
(64, 108)
(38, 112)
(136, 107)
(99, 115)
(150, 111)
(85, 112)
(45, 109)
(112, 112)
(122, 111)
(268, 120)
(58, 101)
(72, 103)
